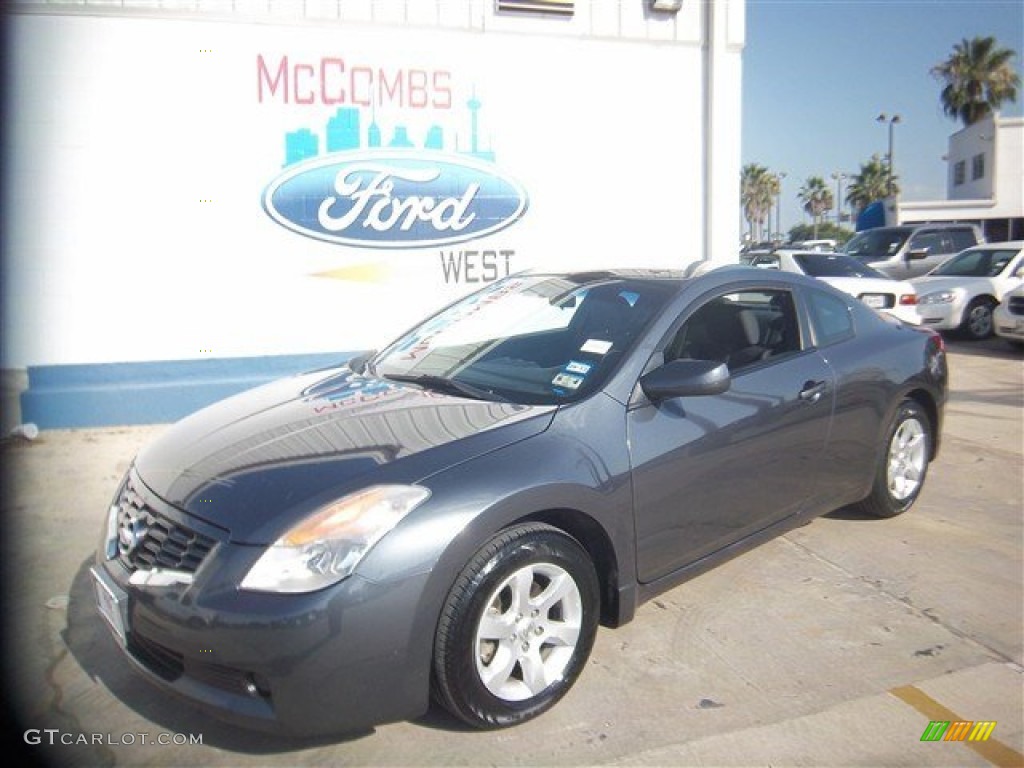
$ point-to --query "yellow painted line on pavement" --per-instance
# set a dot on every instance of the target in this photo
(992, 750)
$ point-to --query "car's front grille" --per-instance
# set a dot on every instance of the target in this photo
(1016, 305)
(147, 539)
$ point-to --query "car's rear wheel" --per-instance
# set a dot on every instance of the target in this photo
(977, 323)
(904, 465)
(517, 627)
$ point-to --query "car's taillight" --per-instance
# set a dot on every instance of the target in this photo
(908, 299)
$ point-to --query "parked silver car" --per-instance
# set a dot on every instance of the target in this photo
(912, 250)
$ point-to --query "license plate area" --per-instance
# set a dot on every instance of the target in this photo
(875, 300)
(112, 603)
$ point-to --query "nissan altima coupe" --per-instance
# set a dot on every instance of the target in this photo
(453, 517)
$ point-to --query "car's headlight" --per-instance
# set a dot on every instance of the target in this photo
(939, 297)
(328, 545)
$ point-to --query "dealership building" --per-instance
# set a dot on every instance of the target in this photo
(200, 195)
(984, 181)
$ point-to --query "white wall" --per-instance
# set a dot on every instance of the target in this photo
(139, 152)
(964, 145)
(1009, 172)
(999, 194)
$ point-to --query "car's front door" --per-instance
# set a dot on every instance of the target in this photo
(711, 470)
(939, 246)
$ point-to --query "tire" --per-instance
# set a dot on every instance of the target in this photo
(904, 464)
(977, 323)
(517, 627)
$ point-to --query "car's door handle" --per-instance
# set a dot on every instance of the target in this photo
(813, 390)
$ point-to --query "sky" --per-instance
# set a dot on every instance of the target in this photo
(817, 73)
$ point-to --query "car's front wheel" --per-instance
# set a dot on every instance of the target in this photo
(517, 627)
(900, 475)
(977, 323)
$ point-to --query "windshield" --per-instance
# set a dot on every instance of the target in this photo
(976, 263)
(876, 244)
(537, 339)
(835, 265)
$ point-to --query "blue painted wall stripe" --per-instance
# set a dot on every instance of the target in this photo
(112, 394)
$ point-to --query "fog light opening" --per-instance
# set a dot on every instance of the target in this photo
(256, 687)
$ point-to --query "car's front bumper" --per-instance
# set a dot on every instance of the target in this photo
(335, 661)
(941, 317)
(906, 313)
(1007, 325)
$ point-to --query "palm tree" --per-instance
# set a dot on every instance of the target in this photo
(756, 197)
(817, 198)
(979, 77)
(871, 184)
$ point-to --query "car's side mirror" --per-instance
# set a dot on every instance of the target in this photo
(686, 378)
(358, 363)
(917, 253)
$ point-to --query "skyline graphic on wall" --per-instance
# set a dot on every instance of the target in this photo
(343, 132)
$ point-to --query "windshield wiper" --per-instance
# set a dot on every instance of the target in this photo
(451, 386)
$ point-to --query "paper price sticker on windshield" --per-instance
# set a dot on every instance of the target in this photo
(596, 346)
(567, 380)
(575, 366)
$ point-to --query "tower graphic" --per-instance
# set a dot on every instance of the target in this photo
(474, 105)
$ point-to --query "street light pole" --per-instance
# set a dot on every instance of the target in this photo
(778, 205)
(838, 176)
(883, 118)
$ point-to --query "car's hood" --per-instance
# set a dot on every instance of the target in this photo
(858, 285)
(257, 461)
(971, 285)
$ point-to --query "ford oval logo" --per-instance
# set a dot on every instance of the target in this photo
(394, 199)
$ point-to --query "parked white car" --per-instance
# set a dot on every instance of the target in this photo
(895, 297)
(1008, 317)
(961, 293)
(816, 245)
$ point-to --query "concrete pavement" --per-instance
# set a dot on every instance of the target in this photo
(833, 645)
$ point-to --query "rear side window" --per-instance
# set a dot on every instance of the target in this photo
(766, 262)
(963, 238)
(934, 242)
(830, 318)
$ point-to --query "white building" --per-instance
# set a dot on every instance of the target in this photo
(984, 180)
(202, 194)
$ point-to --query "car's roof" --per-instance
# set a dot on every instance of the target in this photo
(678, 276)
(1005, 245)
(925, 225)
(805, 252)
(591, 276)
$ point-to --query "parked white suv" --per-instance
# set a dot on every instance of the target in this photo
(911, 250)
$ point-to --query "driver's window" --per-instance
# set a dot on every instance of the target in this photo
(929, 241)
(739, 329)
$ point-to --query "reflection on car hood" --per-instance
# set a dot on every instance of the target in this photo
(256, 461)
(972, 285)
(858, 285)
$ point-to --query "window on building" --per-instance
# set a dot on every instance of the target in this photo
(978, 167)
(959, 172)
